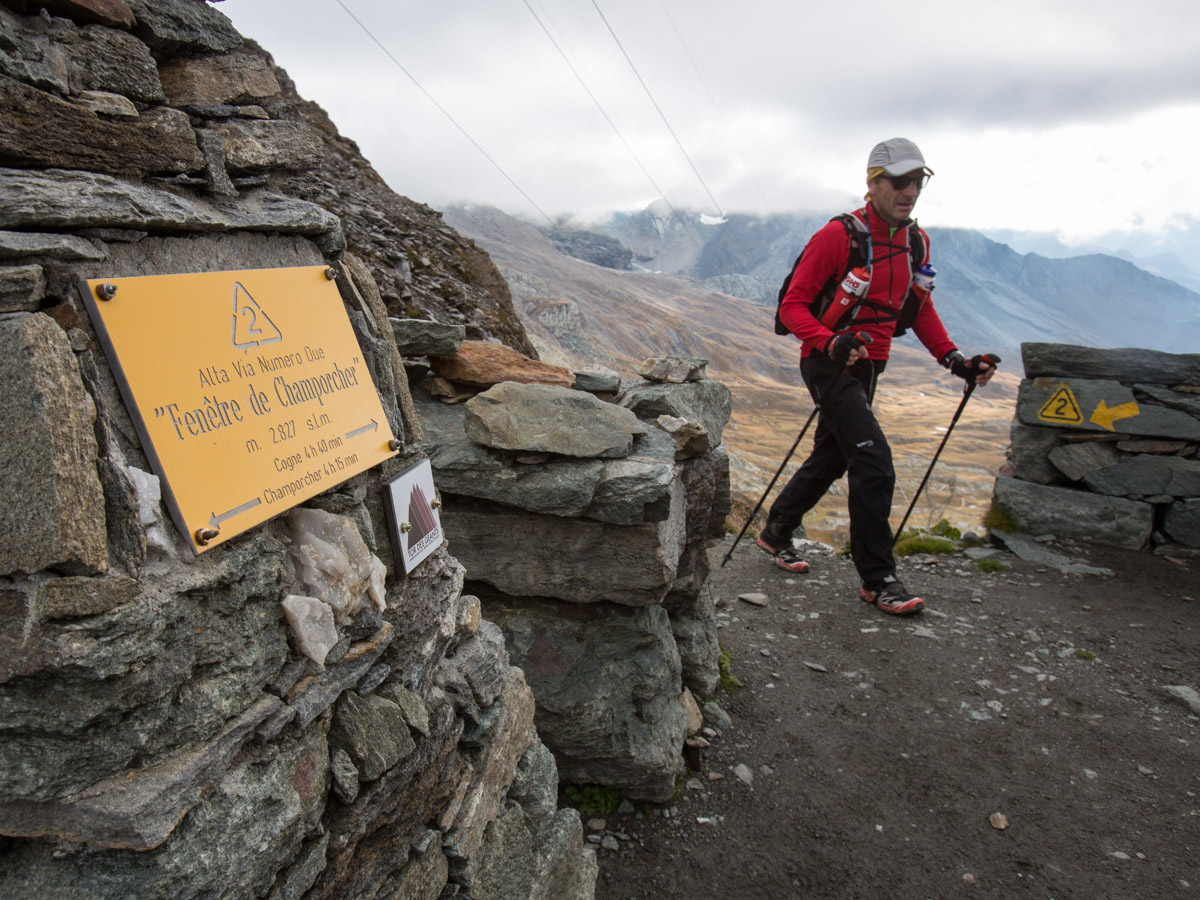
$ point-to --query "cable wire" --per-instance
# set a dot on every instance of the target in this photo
(725, 124)
(444, 112)
(661, 193)
(666, 122)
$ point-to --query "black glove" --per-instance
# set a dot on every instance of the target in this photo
(840, 347)
(968, 370)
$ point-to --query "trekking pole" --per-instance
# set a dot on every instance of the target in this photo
(866, 339)
(968, 390)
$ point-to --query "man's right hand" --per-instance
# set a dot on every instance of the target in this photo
(847, 349)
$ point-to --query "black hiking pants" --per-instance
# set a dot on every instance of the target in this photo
(848, 441)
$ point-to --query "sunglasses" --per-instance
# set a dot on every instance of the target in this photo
(900, 182)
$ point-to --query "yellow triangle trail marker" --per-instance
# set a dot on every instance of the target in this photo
(1062, 407)
(251, 326)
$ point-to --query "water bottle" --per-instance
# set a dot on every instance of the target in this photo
(923, 279)
(852, 289)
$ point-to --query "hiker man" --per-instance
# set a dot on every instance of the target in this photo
(891, 248)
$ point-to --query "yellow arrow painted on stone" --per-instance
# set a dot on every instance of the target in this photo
(1104, 415)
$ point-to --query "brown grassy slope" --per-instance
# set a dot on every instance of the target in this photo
(581, 313)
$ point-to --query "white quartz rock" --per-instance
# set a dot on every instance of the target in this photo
(375, 586)
(332, 560)
(148, 489)
(311, 622)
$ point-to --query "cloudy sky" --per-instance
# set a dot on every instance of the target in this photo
(1080, 117)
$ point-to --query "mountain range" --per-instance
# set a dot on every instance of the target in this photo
(988, 294)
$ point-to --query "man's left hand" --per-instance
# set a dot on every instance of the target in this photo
(978, 370)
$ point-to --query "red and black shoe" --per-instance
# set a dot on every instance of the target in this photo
(785, 557)
(889, 595)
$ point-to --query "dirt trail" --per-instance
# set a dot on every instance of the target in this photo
(881, 748)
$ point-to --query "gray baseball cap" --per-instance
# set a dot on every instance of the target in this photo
(897, 156)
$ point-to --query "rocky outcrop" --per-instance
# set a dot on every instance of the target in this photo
(1103, 448)
(584, 524)
(289, 713)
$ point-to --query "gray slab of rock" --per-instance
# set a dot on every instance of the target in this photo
(508, 863)
(1188, 696)
(208, 253)
(60, 199)
(495, 768)
(673, 369)
(22, 288)
(252, 145)
(230, 78)
(632, 490)
(137, 810)
(535, 786)
(51, 502)
(523, 554)
(708, 403)
(1146, 475)
(424, 337)
(607, 682)
(566, 870)
(694, 625)
(107, 104)
(1028, 453)
(1079, 515)
(69, 598)
(39, 129)
(113, 62)
(1128, 364)
(173, 27)
(597, 379)
(372, 731)
(251, 824)
(1184, 402)
(15, 244)
(1099, 406)
(550, 419)
(415, 712)
(691, 438)
(1076, 461)
(1031, 550)
(557, 486)
(1182, 522)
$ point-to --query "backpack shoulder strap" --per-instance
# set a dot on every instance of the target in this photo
(858, 237)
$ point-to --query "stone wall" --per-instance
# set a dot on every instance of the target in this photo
(1104, 446)
(583, 507)
(244, 723)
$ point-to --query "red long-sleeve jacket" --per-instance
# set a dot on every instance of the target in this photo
(825, 257)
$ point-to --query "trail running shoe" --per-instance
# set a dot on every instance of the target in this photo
(785, 557)
(891, 597)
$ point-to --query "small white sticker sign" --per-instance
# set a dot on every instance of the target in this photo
(412, 509)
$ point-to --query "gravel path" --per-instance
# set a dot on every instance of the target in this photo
(1031, 734)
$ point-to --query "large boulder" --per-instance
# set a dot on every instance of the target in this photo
(1079, 515)
(607, 682)
(549, 419)
(578, 560)
(51, 502)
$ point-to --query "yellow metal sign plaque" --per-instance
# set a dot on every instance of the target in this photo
(248, 389)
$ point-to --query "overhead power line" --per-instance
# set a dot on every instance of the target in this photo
(617, 131)
(679, 143)
(444, 112)
(724, 124)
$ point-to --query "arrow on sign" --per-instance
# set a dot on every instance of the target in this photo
(1104, 415)
(357, 431)
(215, 521)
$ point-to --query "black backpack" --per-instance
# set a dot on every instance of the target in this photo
(856, 231)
